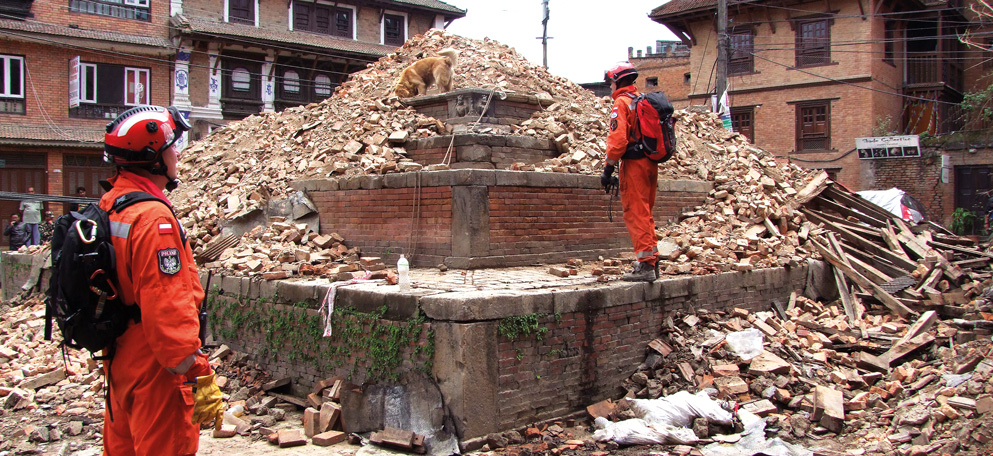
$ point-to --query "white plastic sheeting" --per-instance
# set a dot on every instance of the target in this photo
(662, 420)
(892, 201)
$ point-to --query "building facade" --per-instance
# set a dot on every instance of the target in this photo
(68, 67)
(666, 68)
(807, 78)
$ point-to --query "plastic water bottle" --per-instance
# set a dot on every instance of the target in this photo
(403, 273)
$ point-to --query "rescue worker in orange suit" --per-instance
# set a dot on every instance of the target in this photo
(160, 385)
(638, 175)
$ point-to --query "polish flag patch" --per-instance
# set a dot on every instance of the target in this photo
(165, 228)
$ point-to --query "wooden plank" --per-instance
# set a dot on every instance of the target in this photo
(869, 246)
(853, 200)
(924, 323)
(891, 239)
(287, 398)
(909, 239)
(887, 299)
(867, 232)
(839, 279)
(792, 302)
(813, 188)
(898, 352)
(867, 297)
(879, 264)
(848, 212)
(955, 248)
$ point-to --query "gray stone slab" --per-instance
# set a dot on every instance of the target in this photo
(291, 292)
(507, 178)
(582, 300)
(485, 305)
(470, 221)
(475, 152)
(370, 182)
(399, 306)
(668, 185)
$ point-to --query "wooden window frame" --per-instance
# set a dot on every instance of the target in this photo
(402, 38)
(254, 69)
(808, 136)
(742, 62)
(140, 10)
(737, 115)
(333, 19)
(889, 41)
(247, 19)
(144, 76)
(813, 50)
(6, 91)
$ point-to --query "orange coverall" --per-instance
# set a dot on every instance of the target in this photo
(152, 409)
(638, 177)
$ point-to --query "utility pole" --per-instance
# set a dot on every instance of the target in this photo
(722, 48)
(544, 33)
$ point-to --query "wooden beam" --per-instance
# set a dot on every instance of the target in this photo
(871, 247)
(866, 232)
(857, 202)
(846, 298)
(887, 299)
(955, 248)
(883, 266)
(847, 211)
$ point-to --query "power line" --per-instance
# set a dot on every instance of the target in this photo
(910, 97)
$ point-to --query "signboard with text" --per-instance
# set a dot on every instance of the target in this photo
(888, 147)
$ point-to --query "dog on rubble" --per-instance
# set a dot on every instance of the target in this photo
(416, 78)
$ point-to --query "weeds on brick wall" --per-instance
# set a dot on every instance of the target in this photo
(361, 342)
(521, 326)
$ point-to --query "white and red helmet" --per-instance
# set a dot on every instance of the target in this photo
(619, 71)
(139, 135)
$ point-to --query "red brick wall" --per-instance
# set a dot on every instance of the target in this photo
(669, 71)
(57, 13)
(585, 355)
(379, 220)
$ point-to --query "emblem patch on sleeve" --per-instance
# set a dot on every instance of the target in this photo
(613, 124)
(169, 262)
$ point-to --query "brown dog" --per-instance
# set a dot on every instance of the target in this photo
(416, 78)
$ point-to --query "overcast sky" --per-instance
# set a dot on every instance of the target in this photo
(588, 35)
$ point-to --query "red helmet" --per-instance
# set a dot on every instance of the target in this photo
(619, 71)
(139, 135)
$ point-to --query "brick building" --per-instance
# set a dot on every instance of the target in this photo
(665, 67)
(807, 78)
(68, 67)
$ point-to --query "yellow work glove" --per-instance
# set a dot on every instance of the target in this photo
(208, 402)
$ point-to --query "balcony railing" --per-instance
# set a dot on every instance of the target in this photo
(97, 111)
(932, 69)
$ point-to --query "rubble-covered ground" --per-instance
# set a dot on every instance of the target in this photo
(933, 397)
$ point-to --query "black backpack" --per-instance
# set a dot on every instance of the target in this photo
(83, 293)
(656, 128)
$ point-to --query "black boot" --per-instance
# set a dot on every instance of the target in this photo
(643, 272)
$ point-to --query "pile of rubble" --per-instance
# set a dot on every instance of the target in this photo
(362, 128)
(59, 400)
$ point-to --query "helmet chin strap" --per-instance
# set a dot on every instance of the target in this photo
(159, 168)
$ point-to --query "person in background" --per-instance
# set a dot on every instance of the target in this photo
(17, 231)
(638, 175)
(31, 214)
(47, 227)
(76, 207)
(988, 210)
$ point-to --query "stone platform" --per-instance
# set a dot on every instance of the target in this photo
(586, 337)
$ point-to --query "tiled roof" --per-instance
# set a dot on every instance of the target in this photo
(682, 6)
(197, 25)
(58, 30)
(436, 5)
(39, 135)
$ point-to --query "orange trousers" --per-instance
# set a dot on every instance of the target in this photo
(152, 409)
(639, 180)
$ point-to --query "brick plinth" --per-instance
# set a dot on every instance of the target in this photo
(474, 218)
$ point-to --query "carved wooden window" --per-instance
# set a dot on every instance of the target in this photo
(742, 59)
(813, 42)
(813, 132)
(743, 121)
(394, 29)
(241, 11)
(323, 19)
